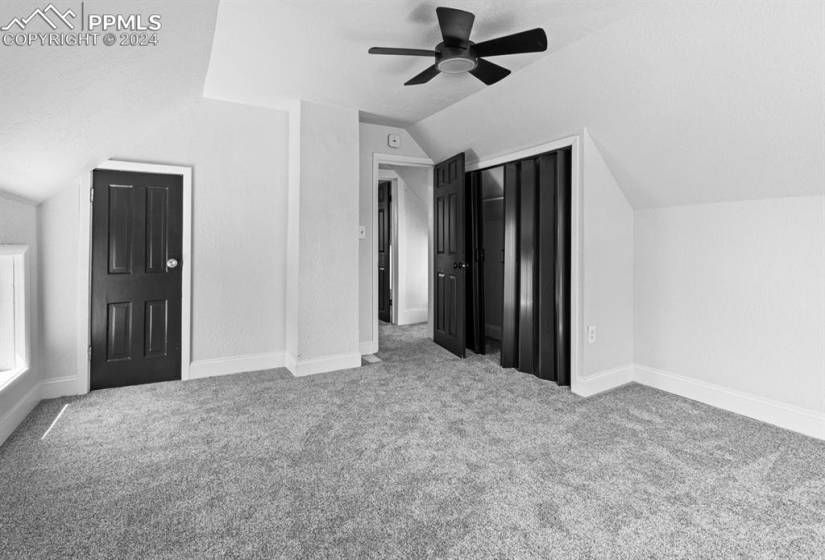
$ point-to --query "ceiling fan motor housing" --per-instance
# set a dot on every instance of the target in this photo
(456, 59)
(457, 54)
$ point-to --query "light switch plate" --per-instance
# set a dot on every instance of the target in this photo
(394, 140)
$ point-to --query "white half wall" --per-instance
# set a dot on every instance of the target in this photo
(733, 294)
(326, 322)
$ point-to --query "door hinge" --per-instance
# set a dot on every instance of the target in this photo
(92, 195)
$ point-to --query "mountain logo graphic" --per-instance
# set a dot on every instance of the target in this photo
(49, 14)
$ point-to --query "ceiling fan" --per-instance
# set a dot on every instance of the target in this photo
(457, 54)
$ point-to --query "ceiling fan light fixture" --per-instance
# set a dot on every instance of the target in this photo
(457, 54)
(456, 65)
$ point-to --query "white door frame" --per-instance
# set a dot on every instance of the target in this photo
(378, 159)
(576, 224)
(85, 266)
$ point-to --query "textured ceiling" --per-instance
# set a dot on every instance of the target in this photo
(64, 109)
(317, 49)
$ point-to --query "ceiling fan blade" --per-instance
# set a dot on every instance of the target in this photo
(534, 40)
(423, 77)
(488, 72)
(405, 52)
(455, 25)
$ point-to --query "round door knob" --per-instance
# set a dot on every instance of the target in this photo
(172, 263)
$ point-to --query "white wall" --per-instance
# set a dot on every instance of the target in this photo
(18, 226)
(607, 262)
(327, 287)
(373, 140)
(59, 219)
(733, 294)
(239, 155)
(239, 158)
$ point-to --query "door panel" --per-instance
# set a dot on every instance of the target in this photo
(120, 230)
(157, 215)
(510, 311)
(528, 269)
(547, 274)
(450, 255)
(384, 285)
(119, 343)
(563, 266)
(137, 226)
(157, 334)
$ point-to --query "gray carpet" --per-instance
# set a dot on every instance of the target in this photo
(419, 456)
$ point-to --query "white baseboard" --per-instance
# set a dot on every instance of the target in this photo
(311, 366)
(235, 364)
(790, 417)
(603, 380)
(412, 316)
(60, 387)
(368, 347)
(11, 419)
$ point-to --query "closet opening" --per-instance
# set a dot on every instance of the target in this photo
(518, 281)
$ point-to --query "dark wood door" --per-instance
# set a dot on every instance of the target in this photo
(137, 240)
(450, 255)
(384, 285)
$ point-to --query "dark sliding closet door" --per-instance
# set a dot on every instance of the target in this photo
(536, 321)
(476, 339)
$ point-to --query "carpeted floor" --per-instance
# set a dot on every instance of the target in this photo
(419, 456)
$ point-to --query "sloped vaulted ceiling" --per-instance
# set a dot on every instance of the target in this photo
(317, 49)
(64, 109)
(689, 102)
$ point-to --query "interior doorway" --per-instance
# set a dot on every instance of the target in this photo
(519, 286)
(136, 280)
(384, 234)
(525, 209)
(403, 238)
(492, 252)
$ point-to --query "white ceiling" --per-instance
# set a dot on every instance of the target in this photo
(65, 109)
(689, 102)
(317, 49)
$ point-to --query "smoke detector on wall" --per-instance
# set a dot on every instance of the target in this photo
(394, 141)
